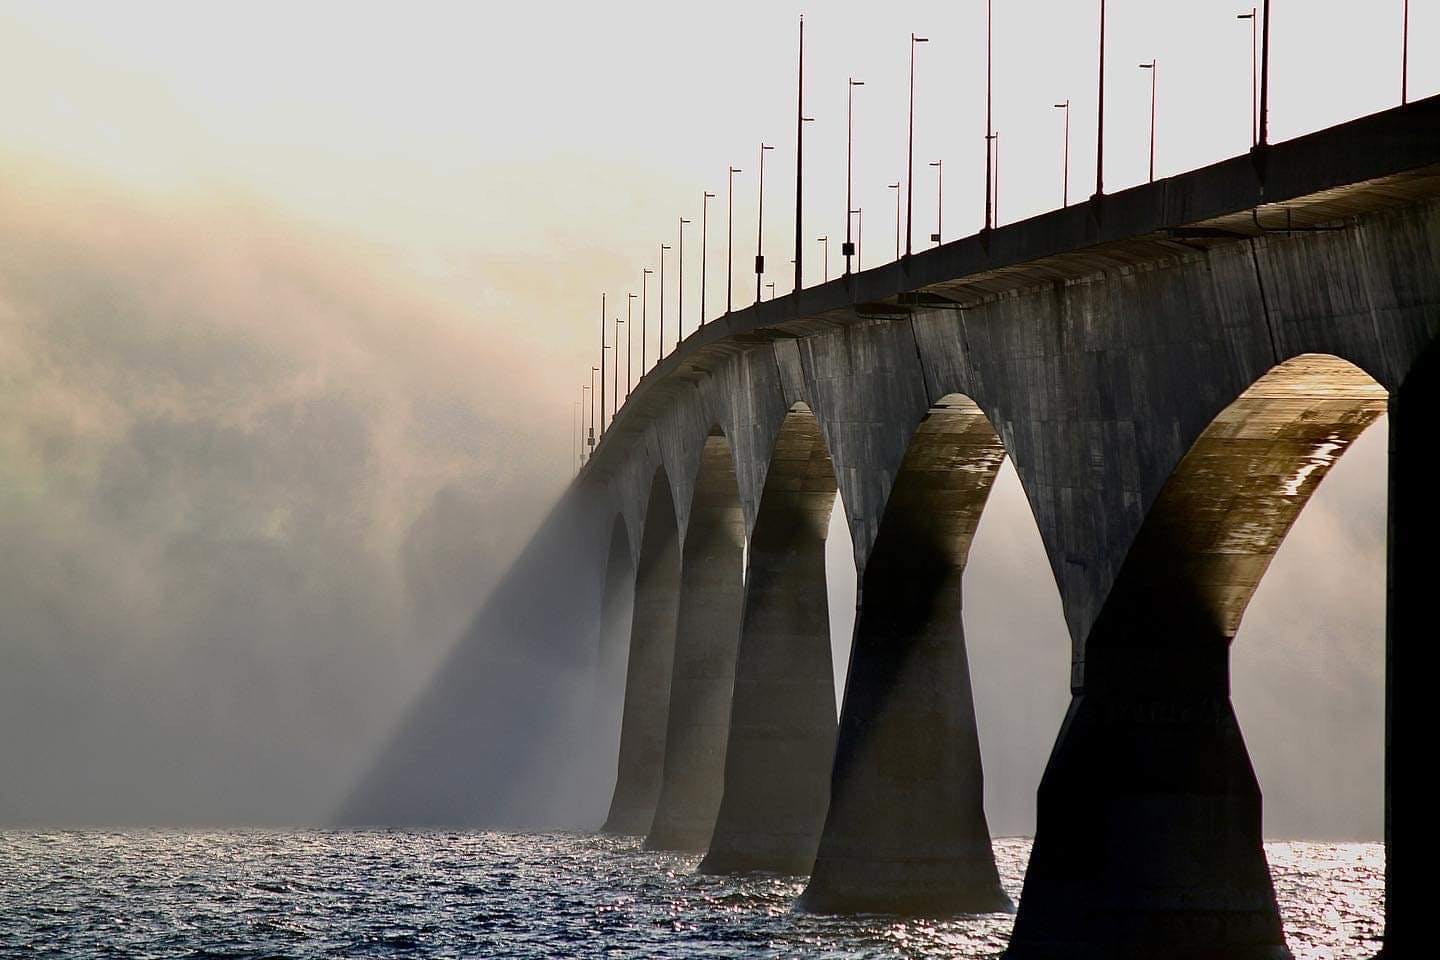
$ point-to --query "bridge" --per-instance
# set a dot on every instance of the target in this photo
(1172, 370)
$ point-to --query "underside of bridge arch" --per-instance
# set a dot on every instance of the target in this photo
(906, 830)
(648, 667)
(706, 637)
(782, 721)
(1148, 836)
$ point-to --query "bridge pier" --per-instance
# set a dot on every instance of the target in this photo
(782, 721)
(706, 638)
(906, 830)
(647, 672)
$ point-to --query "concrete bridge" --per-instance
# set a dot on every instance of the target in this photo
(1172, 370)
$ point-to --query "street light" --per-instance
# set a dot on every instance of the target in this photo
(680, 293)
(800, 119)
(939, 166)
(1065, 157)
(660, 335)
(910, 151)
(644, 321)
(760, 225)
(603, 348)
(1254, 28)
(704, 246)
(615, 401)
(1100, 114)
(591, 388)
(771, 287)
(629, 302)
(1153, 72)
(1264, 137)
(896, 187)
(859, 213)
(995, 138)
(989, 122)
(1405, 54)
(730, 245)
(826, 241)
(847, 249)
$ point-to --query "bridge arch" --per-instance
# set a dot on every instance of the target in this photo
(649, 664)
(1149, 832)
(705, 641)
(906, 830)
(782, 722)
(617, 604)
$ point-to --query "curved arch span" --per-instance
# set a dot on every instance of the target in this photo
(1150, 798)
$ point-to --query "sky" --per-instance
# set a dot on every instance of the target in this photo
(296, 302)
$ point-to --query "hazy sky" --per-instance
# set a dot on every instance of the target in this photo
(295, 300)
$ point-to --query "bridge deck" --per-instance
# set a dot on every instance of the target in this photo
(1383, 160)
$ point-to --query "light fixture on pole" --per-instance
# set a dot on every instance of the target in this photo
(1153, 71)
(591, 388)
(825, 240)
(615, 401)
(704, 246)
(859, 213)
(989, 121)
(1065, 157)
(1100, 114)
(800, 119)
(1264, 138)
(771, 287)
(1405, 54)
(680, 284)
(760, 225)
(910, 149)
(603, 348)
(847, 249)
(644, 320)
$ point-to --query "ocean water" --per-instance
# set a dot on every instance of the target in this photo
(236, 894)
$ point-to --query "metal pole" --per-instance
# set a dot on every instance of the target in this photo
(997, 176)
(939, 166)
(910, 153)
(704, 246)
(1151, 66)
(629, 366)
(1253, 30)
(591, 388)
(859, 238)
(1100, 124)
(896, 187)
(680, 283)
(660, 335)
(760, 226)
(644, 321)
(1405, 55)
(799, 154)
(825, 241)
(615, 400)
(1065, 161)
(603, 348)
(730, 245)
(989, 122)
(1265, 78)
(849, 246)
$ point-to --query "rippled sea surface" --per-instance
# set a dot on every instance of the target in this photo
(399, 894)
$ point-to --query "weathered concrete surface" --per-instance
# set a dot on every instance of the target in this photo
(906, 831)
(617, 607)
(707, 634)
(782, 720)
(1101, 342)
(648, 668)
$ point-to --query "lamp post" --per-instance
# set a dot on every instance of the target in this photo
(615, 400)
(800, 119)
(591, 441)
(760, 226)
(680, 284)
(704, 246)
(825, 240)
(989, 122)
(771, 287)
(1254, 29)
(1100, 114)
(730, 245)
(995, 138)
(629, 302)
(1153, 71)
(1065, 157)
(660, 335)
(939, 166)
(910, 151)
(1264, 137)
(603, 348)
(644, 321)
(848, 247)
(1405, 54)
(859, 213)
(896, 187)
